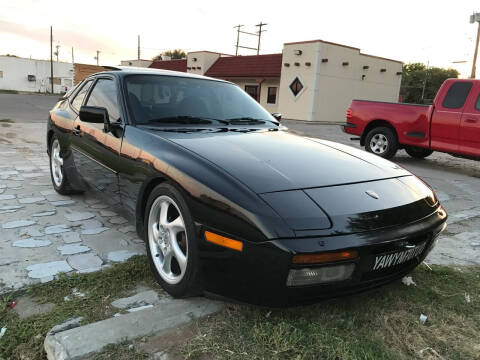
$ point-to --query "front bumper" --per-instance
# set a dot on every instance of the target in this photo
(259, 274)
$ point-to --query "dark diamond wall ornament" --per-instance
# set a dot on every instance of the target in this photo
(296, 86)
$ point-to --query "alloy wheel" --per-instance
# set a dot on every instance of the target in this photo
(56, 163)
(167, 239)
(379, 144)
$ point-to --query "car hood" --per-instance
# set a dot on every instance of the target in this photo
(269, 161)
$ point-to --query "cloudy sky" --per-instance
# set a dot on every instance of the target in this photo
(421, 30)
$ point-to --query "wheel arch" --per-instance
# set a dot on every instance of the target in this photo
(373, 124)
(142, 198)
(49, 140)
(145, 191)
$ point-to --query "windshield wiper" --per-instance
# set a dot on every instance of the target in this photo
(247, 120)
(184, 119)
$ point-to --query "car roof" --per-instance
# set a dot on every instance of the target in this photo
(123, 71)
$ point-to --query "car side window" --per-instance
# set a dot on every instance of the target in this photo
(78, 100)
(457, 95)
(104, 94)
(477, 103)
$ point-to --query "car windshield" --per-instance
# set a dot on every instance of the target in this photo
(157, 99)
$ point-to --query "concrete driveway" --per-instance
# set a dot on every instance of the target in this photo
(26, 107)
(43, 233)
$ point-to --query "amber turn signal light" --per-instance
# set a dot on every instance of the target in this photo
(324, 257)
(223, 241)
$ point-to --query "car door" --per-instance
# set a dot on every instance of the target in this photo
(445, 128)
(96, 152)
(470, 125)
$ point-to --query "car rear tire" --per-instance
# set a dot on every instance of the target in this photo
(418, 152)
(171, 242)
(382, 141)
(57, 172)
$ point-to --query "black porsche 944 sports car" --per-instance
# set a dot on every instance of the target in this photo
(227, 200)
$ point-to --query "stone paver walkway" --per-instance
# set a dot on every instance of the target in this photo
(43, 233)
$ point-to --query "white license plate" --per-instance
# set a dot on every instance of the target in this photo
(399, 257)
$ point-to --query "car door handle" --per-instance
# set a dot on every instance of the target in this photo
(76, 130)
(471, 121)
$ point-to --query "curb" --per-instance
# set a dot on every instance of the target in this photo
(82, 342)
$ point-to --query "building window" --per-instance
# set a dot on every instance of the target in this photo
(252, 90)
(272, 95)
(1, 74)
(296, 86)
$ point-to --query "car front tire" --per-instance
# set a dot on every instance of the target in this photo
(382, 141)
(171, 242)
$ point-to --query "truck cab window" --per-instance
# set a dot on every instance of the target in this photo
(477, 103)
(457, 95)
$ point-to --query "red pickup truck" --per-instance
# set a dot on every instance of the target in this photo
(451, 124)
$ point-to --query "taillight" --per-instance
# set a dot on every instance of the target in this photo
(349, 113)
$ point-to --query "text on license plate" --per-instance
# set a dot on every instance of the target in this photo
(386, 260)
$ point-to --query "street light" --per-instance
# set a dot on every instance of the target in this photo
(475, 18)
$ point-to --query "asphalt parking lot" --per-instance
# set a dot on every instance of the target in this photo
(43, 233)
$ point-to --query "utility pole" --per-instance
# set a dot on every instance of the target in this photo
(56, 52)
(475, 18)
(138, 55)
(51, 57)
(97, 57)
(73, 58)
(260, 35)
(238, 38)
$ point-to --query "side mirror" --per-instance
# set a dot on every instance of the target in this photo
(95, 114)
(277, 116)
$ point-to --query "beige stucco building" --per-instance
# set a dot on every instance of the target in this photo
(310, 80)
(329, 77)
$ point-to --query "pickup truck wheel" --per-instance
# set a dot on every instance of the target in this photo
(418, 152)
(382, 141)
(171, 242)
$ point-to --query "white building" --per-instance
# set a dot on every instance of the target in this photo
(310, 80)
(136, 63)
(21, 74)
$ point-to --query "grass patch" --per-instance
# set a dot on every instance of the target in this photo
(121, 352)
(3, 91)
(380, 324)
(24, 337)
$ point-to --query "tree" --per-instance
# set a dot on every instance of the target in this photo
(174, 54)
(417, 75)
